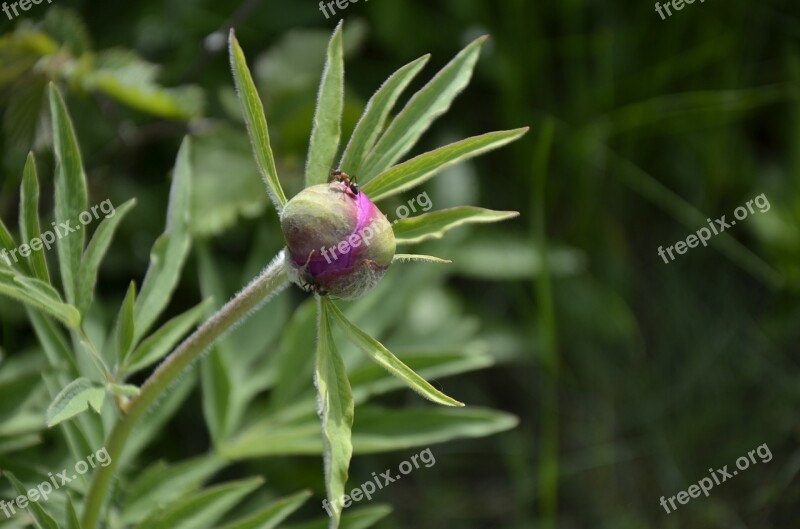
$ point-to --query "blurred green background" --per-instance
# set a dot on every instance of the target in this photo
(630, 377)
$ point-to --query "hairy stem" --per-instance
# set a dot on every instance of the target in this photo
(271, 281)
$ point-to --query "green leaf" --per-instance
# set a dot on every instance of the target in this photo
(95, 252)
(217, 393)
(74, 399)
(170, 249)
(161, 485)
(124, 390)
(70, 191)
(128, 78)
(29, 219)
(253, 112)
(202, 508)
(422, 109)
(23, 122)
(8, 245)
(371, 124)
(273, 514)
(73, 522)
(161, 342)
(41, 519)
(326, 132)
(413, 172)
(125, 324)
(387, 360)
(39, 295)
(407, 257)
(335, 410)
(436, 224)
(53, 343)
(353, 519)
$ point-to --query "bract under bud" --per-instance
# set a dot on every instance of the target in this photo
(338, 241)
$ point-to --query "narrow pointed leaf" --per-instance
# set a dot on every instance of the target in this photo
(161, 342)
(70, 191)
(74, 399)
(436, 224)
(253, 112)
(170, 249)
(7, 246)
(425, 166)
(73, 522)
(423, 108)
(273, 514)
(326, 131)
(363, 518)
(202, 508)
(408, 257)
(41, 519)
(39, 295)
(371, 124)
(30, 229)
(95, 252)
(390, 362)
(125, 324)
(335, 401)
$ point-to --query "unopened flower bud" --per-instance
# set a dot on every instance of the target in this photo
(338, 241)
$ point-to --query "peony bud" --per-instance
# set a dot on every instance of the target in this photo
(338, 241)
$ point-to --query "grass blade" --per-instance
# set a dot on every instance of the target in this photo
(413, 172)
(326, 131)
(436, 224)
(253, 112)
(423, 108)
(371, 124)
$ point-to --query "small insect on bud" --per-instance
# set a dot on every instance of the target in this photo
(338, 241)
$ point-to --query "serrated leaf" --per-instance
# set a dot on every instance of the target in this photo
(388, 361)
(413, 172)
(253, 112)
(273, 514)
(408, 257)
(436, 224)
(422, 109)
(29, 219)
(125, 328)
(335, 410)
(41, 519)
(70, 192)
(161, 342)
(170, 249)
(326, 130)
(161, 485)
(372, 121)
(95, 252)
(38, 295)
(363, 518)
(74, 399)
(202, 508)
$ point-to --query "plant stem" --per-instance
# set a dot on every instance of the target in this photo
(271, 281)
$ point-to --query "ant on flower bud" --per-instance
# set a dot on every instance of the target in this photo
(338, 175)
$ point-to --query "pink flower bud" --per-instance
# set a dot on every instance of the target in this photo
(338, 241)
